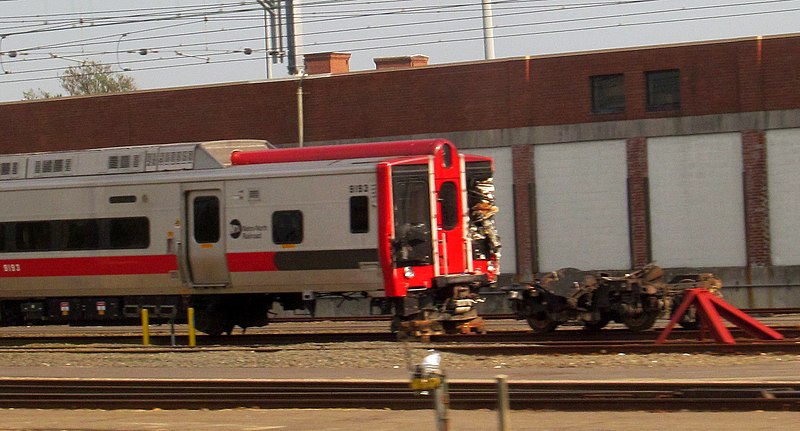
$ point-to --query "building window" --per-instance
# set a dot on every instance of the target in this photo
(359, 214)
(287, 227)
(608, 94)
(663, 90)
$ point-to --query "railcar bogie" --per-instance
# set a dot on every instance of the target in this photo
(594, 299)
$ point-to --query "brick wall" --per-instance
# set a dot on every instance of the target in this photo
(524, 210)
(638, 202)
(756, 198)
(721, 77)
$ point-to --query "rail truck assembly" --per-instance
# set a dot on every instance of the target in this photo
(233, 227)
(594, 298)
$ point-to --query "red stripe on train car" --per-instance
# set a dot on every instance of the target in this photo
(83, 266)
(251, 262)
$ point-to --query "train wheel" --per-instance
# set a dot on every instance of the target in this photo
(542, 324)
(640, 322)
(596, 325)
(209, 322)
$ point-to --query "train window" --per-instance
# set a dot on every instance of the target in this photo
(287, 227)
(80, 234)
(449, 205)
(34, 236)
(206, 219)
(129, 232)
(447, 156)
(122, 199)
(359, 214)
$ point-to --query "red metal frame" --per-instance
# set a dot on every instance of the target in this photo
(710, 311)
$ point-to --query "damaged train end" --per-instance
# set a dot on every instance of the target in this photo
(438, 244)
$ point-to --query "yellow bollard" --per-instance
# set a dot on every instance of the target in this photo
(145, 327)
(192, 338)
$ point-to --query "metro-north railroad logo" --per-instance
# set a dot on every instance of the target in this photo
(236, 228)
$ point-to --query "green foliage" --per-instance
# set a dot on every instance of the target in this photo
(38, 94)
(89, 77)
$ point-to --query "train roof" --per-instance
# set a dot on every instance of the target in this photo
(126, 160)
(198, 161)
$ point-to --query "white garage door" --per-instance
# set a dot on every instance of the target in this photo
(504, 194)
(582, 209)
(696, 203)
(783, 166)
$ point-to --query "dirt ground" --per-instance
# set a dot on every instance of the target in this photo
(385, 420)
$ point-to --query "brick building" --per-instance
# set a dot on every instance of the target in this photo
(683, 154)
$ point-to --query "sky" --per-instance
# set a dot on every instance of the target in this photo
(175, 43)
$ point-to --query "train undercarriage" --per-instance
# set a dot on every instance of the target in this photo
(635, 300)
(450, 309)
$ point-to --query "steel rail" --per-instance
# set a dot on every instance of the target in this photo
(215, 394)
(579, 338)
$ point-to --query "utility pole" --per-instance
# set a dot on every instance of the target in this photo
(488, 30)
(273, 33)
(293, 38)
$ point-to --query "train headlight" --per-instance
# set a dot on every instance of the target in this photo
(408, 272)
(492, 267)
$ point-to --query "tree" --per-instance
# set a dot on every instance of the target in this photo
(90, 77)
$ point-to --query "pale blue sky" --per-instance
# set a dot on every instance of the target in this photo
(206, 45)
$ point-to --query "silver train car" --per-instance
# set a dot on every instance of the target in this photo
(231, 228)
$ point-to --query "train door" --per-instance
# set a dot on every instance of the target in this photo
(205, 240)
(449, 227)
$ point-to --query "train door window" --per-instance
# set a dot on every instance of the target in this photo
(449, 205)
(359, 214)
(206, 219)
(80, 234)
(287, 227)
(34, 236)
(129, 232)
(3, 245)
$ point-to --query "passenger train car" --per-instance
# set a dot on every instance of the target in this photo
(233, 227)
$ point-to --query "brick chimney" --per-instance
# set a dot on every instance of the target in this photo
(327, 62)
(401, 62)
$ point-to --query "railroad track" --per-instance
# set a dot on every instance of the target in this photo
(216, 394)
(504, 342)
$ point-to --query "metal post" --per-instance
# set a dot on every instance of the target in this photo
(300, 127)
(502, 403)
(488, 30)
(190, 318)
(441, 399)
(267, 43)
(293, 38)
(145, 327)
(269, 33)
(172, 331)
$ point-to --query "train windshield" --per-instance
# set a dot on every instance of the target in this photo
(412, 216)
